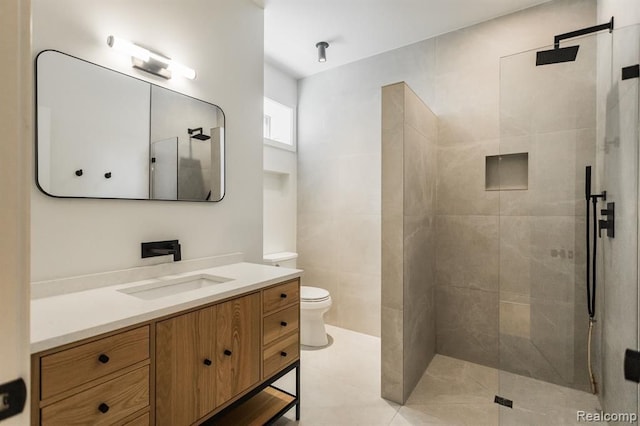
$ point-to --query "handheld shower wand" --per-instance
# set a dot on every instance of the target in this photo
(591, 265)
(587, 183)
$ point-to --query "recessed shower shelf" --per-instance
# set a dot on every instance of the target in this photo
(507, 172)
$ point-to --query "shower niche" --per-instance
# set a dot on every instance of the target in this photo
(507, 172)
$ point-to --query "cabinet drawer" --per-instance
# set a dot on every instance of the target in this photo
(72, 367)
(117, 398)
(280, 323)
(280, 354)
(280, 296)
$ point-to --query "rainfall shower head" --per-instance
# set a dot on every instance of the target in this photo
(557, 55)
(198, 134)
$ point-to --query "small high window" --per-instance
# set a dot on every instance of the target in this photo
(278, 125)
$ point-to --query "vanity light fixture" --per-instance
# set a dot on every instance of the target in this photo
(150, 61)
(322, 54)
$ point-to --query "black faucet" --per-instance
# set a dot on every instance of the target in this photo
(161, 248)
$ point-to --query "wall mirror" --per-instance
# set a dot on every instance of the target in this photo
(103, 134)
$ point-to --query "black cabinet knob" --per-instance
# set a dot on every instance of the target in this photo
(283, 354)
(283, 295)
(103, 358)
(103, 408)
(79, 172)
(227, 352)
(207, 362)
(283, 323)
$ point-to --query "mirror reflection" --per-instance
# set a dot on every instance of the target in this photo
(103, 134)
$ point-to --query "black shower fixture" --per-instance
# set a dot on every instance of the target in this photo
(197, 134)
(557, 55)
(567, 54)
(591, 264)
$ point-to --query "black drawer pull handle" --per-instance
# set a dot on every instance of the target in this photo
(283, 323)
(207, 362)
(283, 295)
(103, 408)
(103, 358)
(227, 352)
(283, 354)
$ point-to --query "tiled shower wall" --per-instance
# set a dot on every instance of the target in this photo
(339, 240)
(409, 158)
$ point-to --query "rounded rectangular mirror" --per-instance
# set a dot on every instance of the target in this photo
(103, 134)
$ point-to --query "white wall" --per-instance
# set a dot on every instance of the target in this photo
(72, 237)
(280, 176)
(626, 12)
(15, 173)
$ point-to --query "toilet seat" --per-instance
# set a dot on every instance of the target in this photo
(313, 294)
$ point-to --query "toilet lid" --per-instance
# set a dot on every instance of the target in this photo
(313, 294)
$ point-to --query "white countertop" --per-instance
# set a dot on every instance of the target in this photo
(66, 318)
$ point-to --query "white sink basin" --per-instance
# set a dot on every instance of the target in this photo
(163, 288)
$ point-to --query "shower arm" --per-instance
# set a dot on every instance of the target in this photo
(577, 33)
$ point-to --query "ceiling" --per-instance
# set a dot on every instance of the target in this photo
(357, 29)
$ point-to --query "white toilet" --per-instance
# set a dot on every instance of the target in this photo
(314, 303)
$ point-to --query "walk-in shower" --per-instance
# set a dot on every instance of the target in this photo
(512, 258)
(577, 119)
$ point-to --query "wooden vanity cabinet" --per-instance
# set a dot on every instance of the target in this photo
(177, 370)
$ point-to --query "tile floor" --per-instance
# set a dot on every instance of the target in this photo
(341, 386)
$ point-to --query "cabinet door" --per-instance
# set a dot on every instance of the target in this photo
(185, 367)
(238, 346)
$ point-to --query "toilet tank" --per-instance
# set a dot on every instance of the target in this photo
(285, 259)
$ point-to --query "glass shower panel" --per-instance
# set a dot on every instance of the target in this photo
(618, 175)
(548, 112)
(550, 119)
